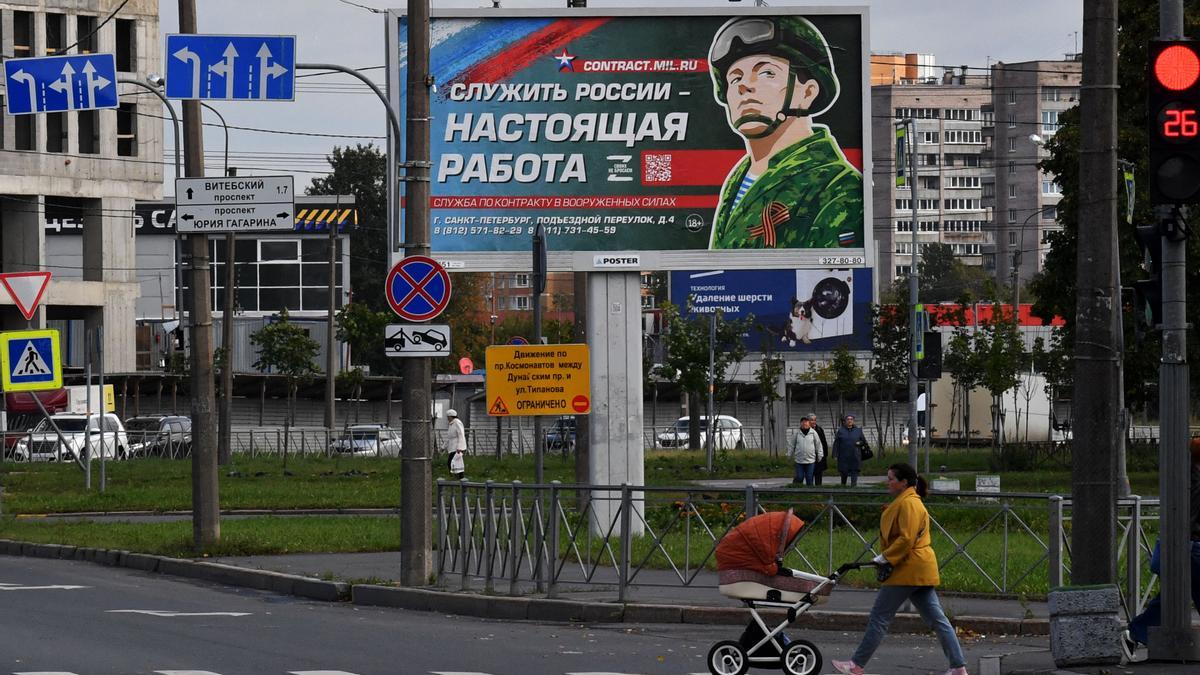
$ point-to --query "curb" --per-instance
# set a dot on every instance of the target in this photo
(501, 607)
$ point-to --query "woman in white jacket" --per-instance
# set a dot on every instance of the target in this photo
(456, 445)
(805, 450)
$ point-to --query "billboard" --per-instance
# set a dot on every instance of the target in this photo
(681, 139)
(804, 310)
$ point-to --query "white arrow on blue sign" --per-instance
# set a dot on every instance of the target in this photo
(231, 67)
(60, 83)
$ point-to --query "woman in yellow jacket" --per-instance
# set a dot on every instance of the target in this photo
(904, 537)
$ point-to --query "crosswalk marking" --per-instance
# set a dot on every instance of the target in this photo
(185, 672)
(58, 587)
(44, 672)
(168, 613)
(318, 672)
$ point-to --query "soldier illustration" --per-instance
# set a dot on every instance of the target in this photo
(794, 188)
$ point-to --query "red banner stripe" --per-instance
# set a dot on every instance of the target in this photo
(540, 44)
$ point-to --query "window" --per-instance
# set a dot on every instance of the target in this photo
(1012, 120)
(1012, 216)
(1012, 168)
(127, 144)
(902, 270)
(1012, 238)
(25, 130)
(126, 46)
(1050, 187)
(989, 191)
(23, 34)
(988, 117)
(1049, 213)
(904, 226)
(1012, 96)
(85, 31)
(929, 182)
(963, 226)
(1012, 189)
(962, 160)
(965, 249)
(88, 124)
(964, 114)
(56, 132)
(522, 301)
(928, 138)
(969, 182)
(926, 159)
(901, 204)
(964, 136)
(1049, 122)
(522, 281)
(917, 113)
(962, 204)
(927, 226)
(278, 251)
(1053, 94)
(1012, 143)
(927, 204)
(56, 33)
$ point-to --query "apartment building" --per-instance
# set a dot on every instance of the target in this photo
(953, 166)
(88, 165)
(1027, 99)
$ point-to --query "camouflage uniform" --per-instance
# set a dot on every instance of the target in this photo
(809, 197)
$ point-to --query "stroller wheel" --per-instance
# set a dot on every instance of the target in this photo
(801, 658)
(727, 658)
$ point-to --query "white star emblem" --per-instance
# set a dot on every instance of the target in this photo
(564, 60)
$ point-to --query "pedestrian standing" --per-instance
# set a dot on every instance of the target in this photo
(823, 463)
(805, 451)
(1138, 632)
(847, 450)
(904, 537)
(456, 445)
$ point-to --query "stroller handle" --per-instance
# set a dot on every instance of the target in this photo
(854, 566)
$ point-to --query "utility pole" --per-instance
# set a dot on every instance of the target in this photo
(416, 501)
(914, 327)
(710, 423)
(330, 327)
(582, 447)
(225, 433)
(206, 521)
(1174, 639)
(1097, 430)
(539, 287)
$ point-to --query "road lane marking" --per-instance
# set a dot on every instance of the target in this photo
(44, 672)
(167, 613)
(186, 672)
(319, 672)
(53, 587)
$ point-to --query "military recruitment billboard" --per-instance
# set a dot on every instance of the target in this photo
(655, 140)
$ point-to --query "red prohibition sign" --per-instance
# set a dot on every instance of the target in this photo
(418, 288)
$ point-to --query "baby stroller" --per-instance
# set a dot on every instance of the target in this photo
(749, 566)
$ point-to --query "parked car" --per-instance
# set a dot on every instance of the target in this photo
(78, 432)
(561, 436)
(728, 434)
(159, 436)
(368, 440)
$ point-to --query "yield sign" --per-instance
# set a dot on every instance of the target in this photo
(26, 289)
(418, 288)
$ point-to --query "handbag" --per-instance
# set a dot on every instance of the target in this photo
(864, 450)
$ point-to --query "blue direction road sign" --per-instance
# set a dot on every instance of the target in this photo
(29, 360)
(60, 83)
(418, 288)
(231, 67)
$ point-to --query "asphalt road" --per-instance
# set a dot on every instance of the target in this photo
(66, 617)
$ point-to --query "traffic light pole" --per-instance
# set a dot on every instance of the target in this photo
(1174, 639)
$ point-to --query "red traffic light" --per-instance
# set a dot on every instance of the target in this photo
(1177, 67)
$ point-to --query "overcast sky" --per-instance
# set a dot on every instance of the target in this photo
(956, 32)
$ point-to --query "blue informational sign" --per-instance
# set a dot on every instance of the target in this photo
(60, 83)
(794, 310)
(231, 67)
(29, 360)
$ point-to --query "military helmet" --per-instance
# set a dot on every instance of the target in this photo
(787, 37)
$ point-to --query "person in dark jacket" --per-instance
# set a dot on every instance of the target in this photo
(846, 451)
(1139, 629)
(822, 463)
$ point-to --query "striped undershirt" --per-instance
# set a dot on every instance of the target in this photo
(747, 181)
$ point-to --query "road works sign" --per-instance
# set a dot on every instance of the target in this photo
(60, 83)
(231, 67)
(538, 380)
(26, 289)
(29, 360)
(250, 204)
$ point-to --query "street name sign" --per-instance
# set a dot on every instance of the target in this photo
(418, 288)
(417, 340)
(528, 380)
(239, 205)
(29, 360)
(60, 83)
(26, 289)
(231, 67)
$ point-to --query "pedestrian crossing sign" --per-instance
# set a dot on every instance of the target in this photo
(29, 360)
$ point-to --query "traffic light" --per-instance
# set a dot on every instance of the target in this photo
(1147, 293)
(1174, 116)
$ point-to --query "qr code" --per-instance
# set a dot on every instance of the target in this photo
(657, 169)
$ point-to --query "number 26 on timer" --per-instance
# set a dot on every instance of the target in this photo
(1180, 123)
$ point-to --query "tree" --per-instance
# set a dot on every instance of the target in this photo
(943, 277)
(363, 329)
(890, 357)
(767, 377)
(362, 171)
(1001, 352)
(686, 360)
(286, 349)
(469, 331)
(842, 372)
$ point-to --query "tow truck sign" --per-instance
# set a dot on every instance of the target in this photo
(417, 340)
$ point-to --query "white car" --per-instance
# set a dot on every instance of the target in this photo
(80, 434)
(368, 440)
(729, 433)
